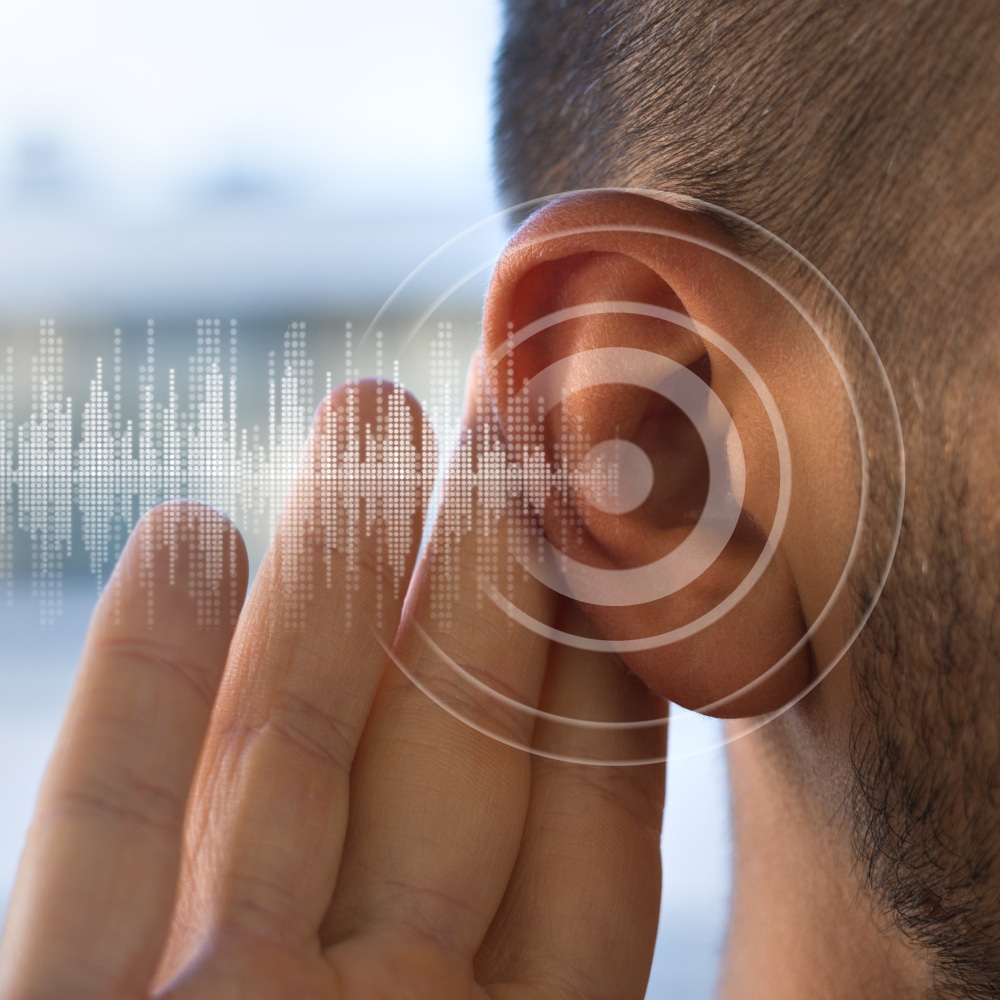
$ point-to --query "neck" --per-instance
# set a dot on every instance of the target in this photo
(800, 923)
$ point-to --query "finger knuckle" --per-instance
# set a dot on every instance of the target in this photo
(306, 727)
(162, 661)
(120, 795)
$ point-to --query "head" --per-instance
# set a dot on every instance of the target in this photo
(863, 134)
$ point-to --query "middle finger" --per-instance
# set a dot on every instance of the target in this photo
(438, 805)
(265, 836)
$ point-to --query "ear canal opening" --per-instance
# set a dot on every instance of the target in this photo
(677, 454)
(702, 367)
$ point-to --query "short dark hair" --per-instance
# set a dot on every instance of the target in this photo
(862, 132)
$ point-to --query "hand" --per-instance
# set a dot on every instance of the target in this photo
(280, 813)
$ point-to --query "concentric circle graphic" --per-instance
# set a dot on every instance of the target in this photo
(572, 685)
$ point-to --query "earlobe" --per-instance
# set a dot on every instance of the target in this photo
(628, 326)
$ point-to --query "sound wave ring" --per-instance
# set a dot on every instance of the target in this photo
(872, 410)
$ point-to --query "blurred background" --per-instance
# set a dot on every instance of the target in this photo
(270, 163)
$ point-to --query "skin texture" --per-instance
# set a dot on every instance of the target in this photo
(866, 821)
(803, 921)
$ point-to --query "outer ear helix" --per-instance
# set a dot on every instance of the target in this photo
(642, 564)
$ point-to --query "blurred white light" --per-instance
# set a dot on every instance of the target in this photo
(356, 100)
(209, 154)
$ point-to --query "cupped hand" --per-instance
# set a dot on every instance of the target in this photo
(257, 803)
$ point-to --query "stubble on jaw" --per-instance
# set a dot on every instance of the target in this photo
(925, 747)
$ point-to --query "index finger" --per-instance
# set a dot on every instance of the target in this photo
(272, 795)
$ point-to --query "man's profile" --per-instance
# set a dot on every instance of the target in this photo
(861, 134)
(255, 810)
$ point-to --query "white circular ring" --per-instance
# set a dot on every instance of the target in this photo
(488, 263)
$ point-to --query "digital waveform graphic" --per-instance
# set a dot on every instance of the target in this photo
(84, 475)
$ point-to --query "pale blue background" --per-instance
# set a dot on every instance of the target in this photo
(251, 158)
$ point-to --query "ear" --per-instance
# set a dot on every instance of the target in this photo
(623, 305)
